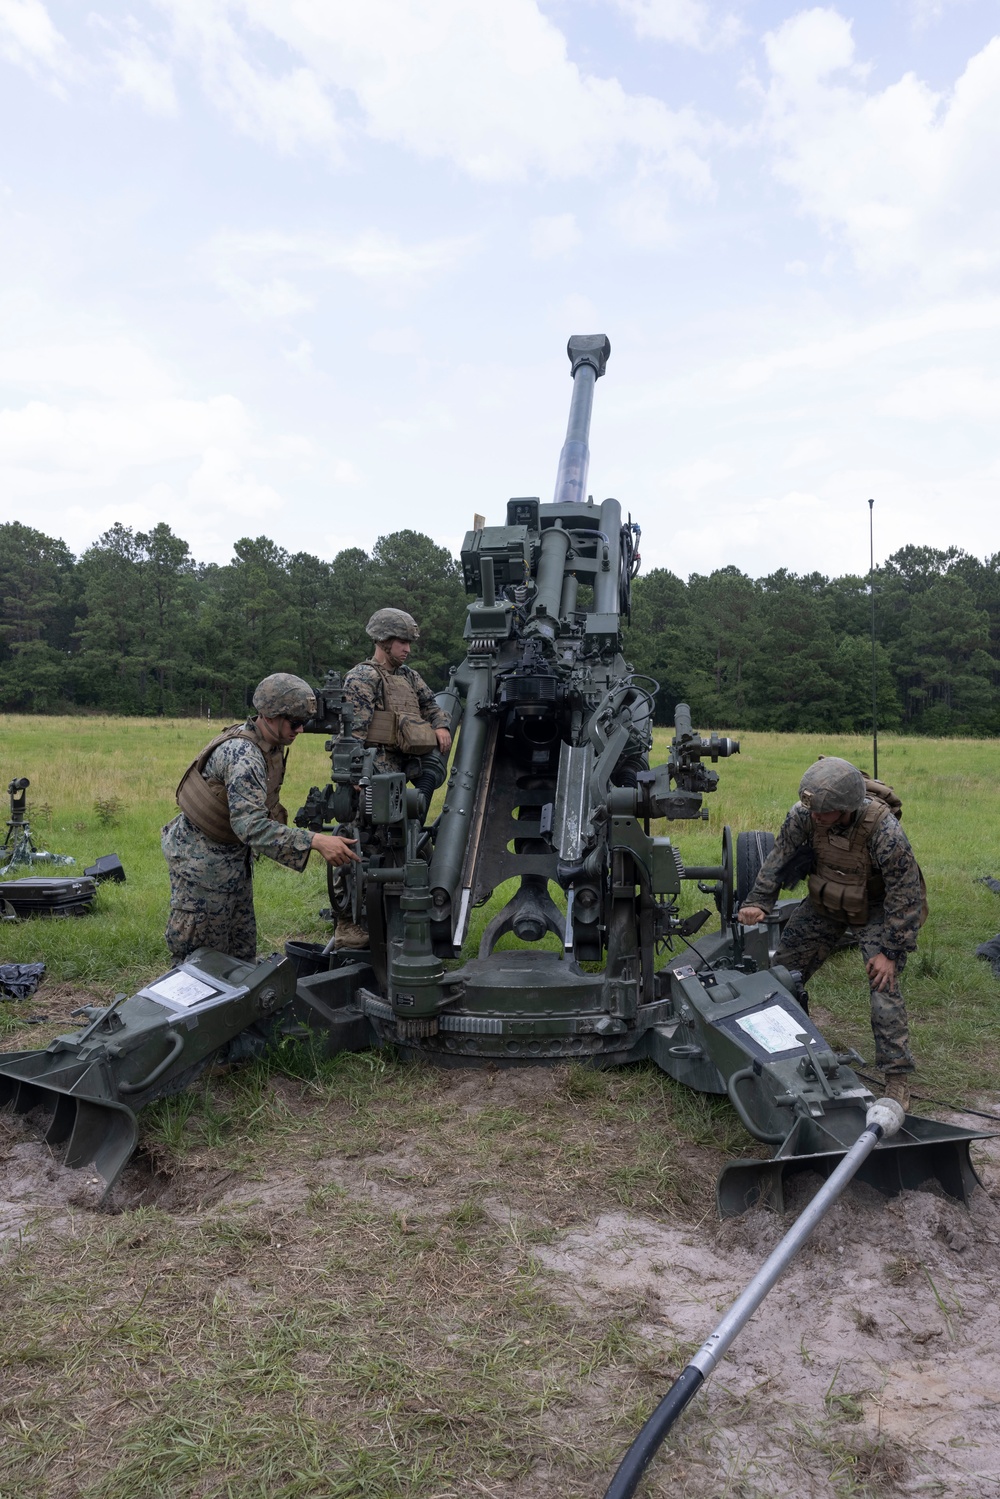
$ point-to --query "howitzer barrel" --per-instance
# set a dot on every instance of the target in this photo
(588, 355)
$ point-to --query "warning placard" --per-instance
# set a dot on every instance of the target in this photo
(774, 1029)
(182, 989)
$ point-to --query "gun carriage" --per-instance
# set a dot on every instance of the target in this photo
(552, 805)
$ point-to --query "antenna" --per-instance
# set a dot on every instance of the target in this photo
(871, 590)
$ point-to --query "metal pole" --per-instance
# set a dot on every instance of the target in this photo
(883, 1119)
(871, 590)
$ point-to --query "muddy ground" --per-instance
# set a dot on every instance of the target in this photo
(873, 1367)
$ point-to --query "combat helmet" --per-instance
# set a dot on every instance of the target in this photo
(282, 695)
(392, 624)
(832, 785)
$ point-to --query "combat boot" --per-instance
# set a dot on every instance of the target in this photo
(350, 935)
(897, 1086)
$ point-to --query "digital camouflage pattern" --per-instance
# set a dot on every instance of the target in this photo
(283, 693)
(807, 940)
(811, 934)
(362, 689)
(211, 891)
(211, 895)
(392, 624)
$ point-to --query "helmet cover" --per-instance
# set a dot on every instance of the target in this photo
(282, 695)
(392, 624)
(832, 785)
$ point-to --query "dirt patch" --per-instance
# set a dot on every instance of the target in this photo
(888, 1317)
(34, 1187)
(505, 1270)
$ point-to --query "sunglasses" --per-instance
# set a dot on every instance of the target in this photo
(295, 723)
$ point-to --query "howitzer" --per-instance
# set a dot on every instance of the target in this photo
(549, 813)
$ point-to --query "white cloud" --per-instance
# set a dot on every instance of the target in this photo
(220, 481)
(301, 356)
(925, 12)
(906, 175)
(97, 440)
(140, 72)
(108, 366)
(950, 395)
(29, 39)
(247, 266)
(287, 110)
(432, 417)
(856, 346)
(690, 480)
(109, 423)
(808, 450)
(641, 212)
(553, 235)
(488, 87)
(576, 312)
(690, 23)
(276, 298)
(395, 341)
(345, 472)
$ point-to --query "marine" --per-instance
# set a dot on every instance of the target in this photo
(864, 877)
(395, 710)
(230, 813)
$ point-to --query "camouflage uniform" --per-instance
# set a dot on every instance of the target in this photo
(811, 933)
(363, 690)
(211, 891)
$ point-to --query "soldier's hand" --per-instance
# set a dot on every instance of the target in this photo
(881, 971)
(334, 849)
(444, 740)
(751, 915)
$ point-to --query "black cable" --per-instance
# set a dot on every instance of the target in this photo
(692, 947)
(643, 1449)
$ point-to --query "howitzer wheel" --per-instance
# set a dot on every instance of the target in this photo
(751, 851)
(338, 887)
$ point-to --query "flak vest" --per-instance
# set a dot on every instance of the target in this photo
(845, 881)
(205, 802)
(399, 723)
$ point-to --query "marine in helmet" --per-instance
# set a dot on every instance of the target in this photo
(863, 876)
(395, 710)
(230, 811)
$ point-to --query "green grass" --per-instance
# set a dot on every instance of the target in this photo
(947, 787)
(364, 1314)
(74, 763)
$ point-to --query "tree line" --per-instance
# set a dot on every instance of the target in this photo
(137, 626)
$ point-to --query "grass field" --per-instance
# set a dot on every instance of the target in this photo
(330, 1279)
(947, 786)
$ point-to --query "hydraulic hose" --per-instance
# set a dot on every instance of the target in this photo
(883, 1120)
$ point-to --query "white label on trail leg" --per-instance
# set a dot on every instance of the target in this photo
(181, 989)
(774, 1029)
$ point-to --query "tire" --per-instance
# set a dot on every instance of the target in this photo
(339, 891)
(751, 851)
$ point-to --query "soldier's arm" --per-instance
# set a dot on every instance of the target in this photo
(430, 710)
(793, 833)
(361, 690)
(240, 766)
(892, 855)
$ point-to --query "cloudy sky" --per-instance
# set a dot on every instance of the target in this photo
(307, 268)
